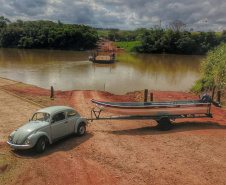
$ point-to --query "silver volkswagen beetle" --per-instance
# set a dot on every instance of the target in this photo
(46, 126)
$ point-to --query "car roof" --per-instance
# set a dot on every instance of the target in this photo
(53, 109)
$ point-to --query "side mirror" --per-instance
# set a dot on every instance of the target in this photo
(52, 121)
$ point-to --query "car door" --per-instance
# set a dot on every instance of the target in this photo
(59, 125)
(72, 116)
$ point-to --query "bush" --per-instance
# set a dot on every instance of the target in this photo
(128, 46)
(213, 70)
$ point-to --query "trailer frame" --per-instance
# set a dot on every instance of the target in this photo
(164, 121)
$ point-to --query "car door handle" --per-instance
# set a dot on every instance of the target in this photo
(65, 122)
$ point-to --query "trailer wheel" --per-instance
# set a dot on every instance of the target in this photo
(164, 123)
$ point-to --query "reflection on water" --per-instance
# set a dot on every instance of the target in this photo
(71, 70)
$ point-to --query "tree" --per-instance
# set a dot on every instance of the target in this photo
(185, 44)
(177, 25)
(9, 37)
(223, 36)
(3, 22)
(113, 34)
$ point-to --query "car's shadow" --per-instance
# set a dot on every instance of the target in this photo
(65, 144)
(176, 127)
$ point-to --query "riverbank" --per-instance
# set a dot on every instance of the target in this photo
(112, 152)
(108, 46)
(42, 96)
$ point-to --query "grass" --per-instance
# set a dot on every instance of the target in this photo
(213, 70)
(198, 86)
(102, 33)
(196, 33)
(21, 85)
(128, 46)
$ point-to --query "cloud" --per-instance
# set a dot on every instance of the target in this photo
(201, 15)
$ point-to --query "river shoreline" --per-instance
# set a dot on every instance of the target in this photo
(41, 96)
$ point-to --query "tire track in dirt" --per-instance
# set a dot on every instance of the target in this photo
(96, 148)
(107, 149)
(79, 103)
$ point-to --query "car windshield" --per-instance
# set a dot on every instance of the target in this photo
(41, 116)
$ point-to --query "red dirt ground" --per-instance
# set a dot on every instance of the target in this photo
(120, 151)
(108, 46)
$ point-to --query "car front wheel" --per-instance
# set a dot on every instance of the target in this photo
(41, 145)
(81, 129)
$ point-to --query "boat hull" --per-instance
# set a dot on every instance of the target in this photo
(103, 61)
(155, 109)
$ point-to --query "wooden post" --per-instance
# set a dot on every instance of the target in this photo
(218, 96)
(213, 92)
(145, 95)
(52, 93)
(151, 97)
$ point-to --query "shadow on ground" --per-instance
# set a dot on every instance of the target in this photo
(66, 144)
(176, 127)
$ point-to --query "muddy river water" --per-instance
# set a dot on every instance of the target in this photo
(71, 70)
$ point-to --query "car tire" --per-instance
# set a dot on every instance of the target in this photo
(41, 145)
(81, 129)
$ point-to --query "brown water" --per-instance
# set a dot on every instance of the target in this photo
(71, 70)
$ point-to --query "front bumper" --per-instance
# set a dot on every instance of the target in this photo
(15, 146)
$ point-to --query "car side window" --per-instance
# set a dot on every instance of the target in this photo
(58, 117)
(71, 113)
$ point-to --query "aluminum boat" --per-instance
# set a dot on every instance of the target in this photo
(155, 108)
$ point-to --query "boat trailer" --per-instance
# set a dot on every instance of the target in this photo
(164, 121)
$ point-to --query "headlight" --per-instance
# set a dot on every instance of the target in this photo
(28, 141)
(10, 138)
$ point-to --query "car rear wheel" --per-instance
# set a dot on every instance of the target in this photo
(41, 145)
(81, 129)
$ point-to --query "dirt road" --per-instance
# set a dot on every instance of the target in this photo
(118, 152)
(108, 46)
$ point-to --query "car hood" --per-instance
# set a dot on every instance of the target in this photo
(23, 132)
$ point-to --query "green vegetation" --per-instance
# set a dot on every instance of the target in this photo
(51, 35)
(158, 40)
(46, 34)
(213, 71)
(128, 46)
(102, 33)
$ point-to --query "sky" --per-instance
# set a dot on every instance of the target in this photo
(199, 15)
